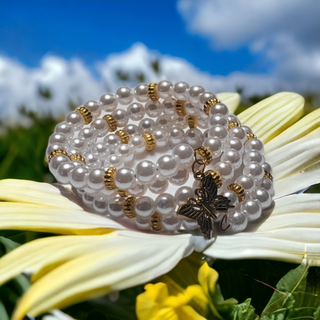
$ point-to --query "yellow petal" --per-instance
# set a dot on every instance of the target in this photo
(271, 116)
(188, 313)
(208, 278)
(230, 99)
(298, 130)
(129, 259)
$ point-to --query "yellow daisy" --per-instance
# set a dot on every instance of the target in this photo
(96, 255)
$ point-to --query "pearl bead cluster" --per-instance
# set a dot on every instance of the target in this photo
(116, 174)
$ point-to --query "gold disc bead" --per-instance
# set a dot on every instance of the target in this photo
(233, 125)
(216, 177)
(123, 193)
(58, 152)
(156, 222)
(150, 141)
(128, 207)
(268, 175)
(238, 190)
(205, 154)
(180, 108)
(250, 136)
(192, 121)
(77, 157)
(109, 180)
(111, 121)
(208, 104)
(153, 91)
(86, 114)
(123, 135)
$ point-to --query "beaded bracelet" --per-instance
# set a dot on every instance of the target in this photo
(118, 160)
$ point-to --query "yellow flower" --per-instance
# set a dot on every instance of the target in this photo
(96, 255)
(169, 300)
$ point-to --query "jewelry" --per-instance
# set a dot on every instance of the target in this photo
(117, 160)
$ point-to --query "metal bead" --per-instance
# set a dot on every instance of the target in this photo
(150, 141)
(109, 180)
(128, 207)
(152, 91)
(77, 157)
(155, 220)
(55, 153)
(123, 135)
(180, 108)
(111, 121)
(205, 154)
(192, 121)
(208, 104)
(86, 114)
(238, 190)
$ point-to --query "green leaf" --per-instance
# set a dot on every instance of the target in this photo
(8, 244)
(3, 312)
(244, 311)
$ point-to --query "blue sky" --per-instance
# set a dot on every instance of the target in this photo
(93, 29)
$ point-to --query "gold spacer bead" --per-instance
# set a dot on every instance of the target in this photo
(233, 124)
(208, 104)
(205, 154)
(238, 190)
(86, 114)
(180, 108)
(111, 121)
(192, 121)
(123, 135)
(268, 175)
(250, 136)
(152, 91)
(77, 157)
(123, 193)
(150, 141)
(216, 177)
(108, 178)
(128, 207)
(55, 153)
(156, 222)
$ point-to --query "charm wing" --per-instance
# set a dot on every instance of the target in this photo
(205, 225)
(190, 210)
(209, 188)
(221, 203)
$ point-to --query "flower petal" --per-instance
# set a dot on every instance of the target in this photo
(129, 259)
(230, 99)
(271, 116)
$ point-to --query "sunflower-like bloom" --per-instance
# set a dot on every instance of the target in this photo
(96, 255)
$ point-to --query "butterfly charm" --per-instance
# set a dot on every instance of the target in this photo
(204, 207)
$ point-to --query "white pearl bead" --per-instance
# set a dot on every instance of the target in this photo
(136, 111)
(164, 122)
(219, 108)
(138, 144)
(232, 197)
(234, 144)
(93, 160)
(171, 223)
(267, 184)
(206, 134)
(58, 138)
(233, 157)
(87, 199)
(180, 90)
(254, 145)
(125, 151)
(233, 118)
(204, 97)
(63, 172)
(262, 196)
(165, 204)
(247, 129)
(180, 122)
(253, 156)
(194, 93)
(153, 108)
(138, 190)
(167, 166)
(112, 141)
(238, 132)
(218, 119)
(53, 147)
(100, 127)
(191, 108)
(184, 154)
(65, 129)
(100, 204)
(108, 102)
(160, 185)
(266, 166)
(253, 170)
(75, 120)
(146, 124)
(246, 182)
(125, 178)
(203, 123)
(55, 163)
(141, 92)
(95, 179)
(252, 209)
(113, 161)
(183, 194)
(145, 207)
(101, 149)
(169, 107)
(77, 143)
(218, 132)
(94, 107)
(190, 224)
(132, 129)
(142, 223)
(176, 136)
(146, 171)
(180, 178)
(194, 137)
(115, 208)
(238, 221)
(225, 169)
(79, 177)
(214, 145)
(124, 95)
(165, 89)
(160, 136)
(121, 117)
(88, 135)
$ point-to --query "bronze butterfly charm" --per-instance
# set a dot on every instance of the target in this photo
(203, 208)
